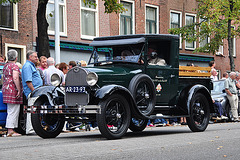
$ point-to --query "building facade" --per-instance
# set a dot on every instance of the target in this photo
(80, 23)
(16, 31)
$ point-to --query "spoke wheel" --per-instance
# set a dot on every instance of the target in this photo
(142, 89)
(138, 125)
(114, 119)
(47, 125)
(199, 113)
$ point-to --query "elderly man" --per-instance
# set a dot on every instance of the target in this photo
(231, 90)
(31, 78)
(51, 70)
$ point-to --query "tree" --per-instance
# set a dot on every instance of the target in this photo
(42, 24)
(220, 20)
(42, 27)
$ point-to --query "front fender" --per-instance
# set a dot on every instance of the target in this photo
(43, 94)
(110, 89)
(107, 90)
(199, 89)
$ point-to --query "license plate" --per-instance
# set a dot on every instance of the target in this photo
(75, 89)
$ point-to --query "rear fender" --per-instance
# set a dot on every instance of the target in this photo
(199, 89)
(108, 90)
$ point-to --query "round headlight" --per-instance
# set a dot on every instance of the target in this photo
(92, 78)
(56, 79)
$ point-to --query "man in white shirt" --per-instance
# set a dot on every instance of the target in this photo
(50, 71)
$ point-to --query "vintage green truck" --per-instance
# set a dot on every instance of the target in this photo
(120, 89)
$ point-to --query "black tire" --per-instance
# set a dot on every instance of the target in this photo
(144, 93)
(199, 113)
(47, 125)
(22, 120)
(114, 120)
(138, 125)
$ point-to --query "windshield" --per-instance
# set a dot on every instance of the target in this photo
(127, 53)
(218, 87)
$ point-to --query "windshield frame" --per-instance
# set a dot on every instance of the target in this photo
(135, 58)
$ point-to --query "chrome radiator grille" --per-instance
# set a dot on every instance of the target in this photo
(76, 77)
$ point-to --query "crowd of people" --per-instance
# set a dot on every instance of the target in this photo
(18, 84)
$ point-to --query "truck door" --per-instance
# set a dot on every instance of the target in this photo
(165, 79)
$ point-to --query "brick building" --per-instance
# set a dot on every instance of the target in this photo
(16, 30)
(79, 24)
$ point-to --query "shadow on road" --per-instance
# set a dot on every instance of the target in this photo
(95, 135)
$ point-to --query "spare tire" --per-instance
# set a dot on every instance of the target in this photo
(143, 90)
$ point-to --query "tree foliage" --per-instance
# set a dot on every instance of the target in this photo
(11, 1)
(110, 5)
(220, 20)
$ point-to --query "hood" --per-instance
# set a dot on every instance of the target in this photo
(116, 69)
(118, 74)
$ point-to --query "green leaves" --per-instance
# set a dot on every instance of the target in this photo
(11, 1)
(113, 6)
(110, 5)
(216, 14)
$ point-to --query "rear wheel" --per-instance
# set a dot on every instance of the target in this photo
(114, 119)
(199, 113)
(47, 125)
(138, 125)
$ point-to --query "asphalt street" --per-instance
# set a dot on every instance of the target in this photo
(219, 141)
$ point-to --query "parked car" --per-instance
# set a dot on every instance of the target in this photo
(120, 85)
(219, 95)
(3, 110)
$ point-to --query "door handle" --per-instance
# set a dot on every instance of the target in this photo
(172, 75)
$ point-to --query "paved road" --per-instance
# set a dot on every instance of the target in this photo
(219, 141)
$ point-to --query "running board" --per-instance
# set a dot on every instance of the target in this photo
(165, 107)
(161, 116)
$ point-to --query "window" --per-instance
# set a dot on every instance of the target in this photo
(220, 51)
(126, 19)
(190, 19)
(51, 17)
(88, 20)
(151, 19)
(203, 40)
(21, 49)
(234, 44)
(8, 15)
(176, 22)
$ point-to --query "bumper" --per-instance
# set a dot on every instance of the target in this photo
(81, 109)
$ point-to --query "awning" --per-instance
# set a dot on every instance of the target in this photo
(117, 42)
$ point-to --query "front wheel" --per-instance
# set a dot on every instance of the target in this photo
(114, 119)
(47, 125)
(199, 113)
